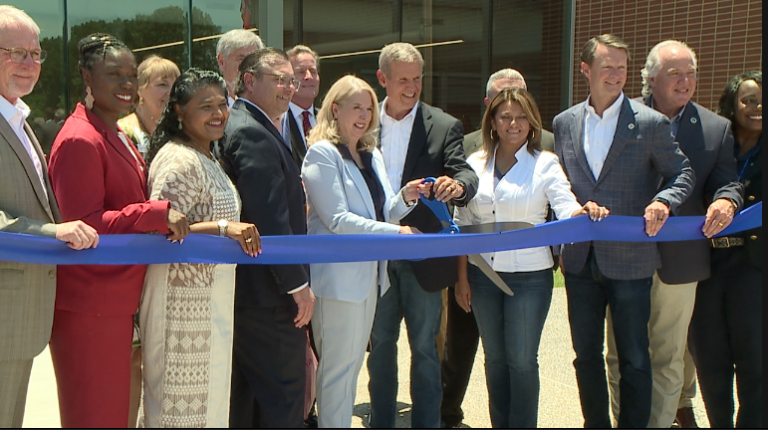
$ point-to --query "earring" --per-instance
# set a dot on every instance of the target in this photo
(89, 99)
(533, 134)
(141, 101)
(180, 126)
(492, 139)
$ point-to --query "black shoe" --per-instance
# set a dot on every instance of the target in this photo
(686, 419)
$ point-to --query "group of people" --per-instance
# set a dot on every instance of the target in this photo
(246, 153)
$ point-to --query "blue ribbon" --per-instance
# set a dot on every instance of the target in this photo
(149, 249)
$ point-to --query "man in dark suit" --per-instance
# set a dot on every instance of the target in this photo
(498, 82)
(461, 334)
(302, 114)
(417, 141)
(615, 151)
(272, 303)
(669, 82)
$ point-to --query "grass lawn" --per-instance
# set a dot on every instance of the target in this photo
(559, 281)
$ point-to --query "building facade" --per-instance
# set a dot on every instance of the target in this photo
(463, 41)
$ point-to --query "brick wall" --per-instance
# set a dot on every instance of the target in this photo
(726, 35)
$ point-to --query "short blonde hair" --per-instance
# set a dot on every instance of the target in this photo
(400, 51)
(155, 66)
(328, 129)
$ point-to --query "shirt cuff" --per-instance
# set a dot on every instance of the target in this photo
(306, 284)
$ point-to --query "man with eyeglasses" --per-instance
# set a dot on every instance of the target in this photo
(273, 303)
(301, 116)
(27, 206)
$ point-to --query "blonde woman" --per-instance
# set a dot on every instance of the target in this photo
(156, 76)
(348, 193)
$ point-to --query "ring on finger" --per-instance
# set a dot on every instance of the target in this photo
(249, 240)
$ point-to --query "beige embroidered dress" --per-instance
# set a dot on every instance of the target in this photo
(187, 310)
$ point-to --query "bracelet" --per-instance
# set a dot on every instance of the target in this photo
(406, 201)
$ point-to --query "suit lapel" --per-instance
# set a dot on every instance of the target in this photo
(626, 129)
(577, 138)
(263, 120)
(136, 163)
(50, 204)
(361, 185)
(422, 125)
(26, 161)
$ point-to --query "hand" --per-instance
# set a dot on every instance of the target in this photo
(446, 189)
(719, 217)
(464, 295)
(406, 229)
(77, 234)
(178, 225)
(595, 212)
(656, 214)
(305, 299)
(413, 189)
(247, 235)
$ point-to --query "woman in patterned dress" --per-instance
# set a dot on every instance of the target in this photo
(187, 310)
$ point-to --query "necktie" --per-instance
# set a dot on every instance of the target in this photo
(306, 124)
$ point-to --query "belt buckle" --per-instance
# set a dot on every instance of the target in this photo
(721, 242)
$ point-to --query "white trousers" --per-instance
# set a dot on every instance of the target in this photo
(341, 331)
(674, 374)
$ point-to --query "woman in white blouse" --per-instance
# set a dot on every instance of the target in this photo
(518, 182)
(348, 192)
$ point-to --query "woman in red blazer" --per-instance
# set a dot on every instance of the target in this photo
(98, 177)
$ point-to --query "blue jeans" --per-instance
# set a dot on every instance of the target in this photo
(422, 312)
(589, 293)
(511, 328)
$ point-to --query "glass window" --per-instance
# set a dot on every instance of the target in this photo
(452, 36)
(211, 19)
(348, 34)
(49, 94)
(148, 27)
(528, 37)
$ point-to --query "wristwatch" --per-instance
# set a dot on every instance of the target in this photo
(223, 227)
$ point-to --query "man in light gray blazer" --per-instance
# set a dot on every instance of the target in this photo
(27, 205)
(614, 152)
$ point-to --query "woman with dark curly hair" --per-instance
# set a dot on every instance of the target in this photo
(726, 333)
(187, 310)
(98, 177)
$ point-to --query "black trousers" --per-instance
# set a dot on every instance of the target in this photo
(268, 369)
(726, 339)
(461, 339)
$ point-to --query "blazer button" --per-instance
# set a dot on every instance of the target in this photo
(753, 237)
(52, 274)
(751, 198)
(597, 189)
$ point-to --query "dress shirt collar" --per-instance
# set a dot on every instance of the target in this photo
(521, 156)
(677, 117)
(384, 116)
(9, 110)
(272, 120)
(297, 110)
(612, 111)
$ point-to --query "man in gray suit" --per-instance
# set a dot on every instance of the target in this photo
(498, 82)
(669, 82)
(27, 205)
(614, 152)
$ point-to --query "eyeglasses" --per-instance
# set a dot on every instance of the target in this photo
(285, 81)
(19, 55)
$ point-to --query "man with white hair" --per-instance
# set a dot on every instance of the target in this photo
(417, 141)
(233, 46)
(27, 206)
(669, 83)
(498, 82)
(301, 117)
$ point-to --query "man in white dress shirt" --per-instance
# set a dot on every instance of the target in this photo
(301, 116)
(27, 206)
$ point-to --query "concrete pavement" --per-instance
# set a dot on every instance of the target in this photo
(558, 405)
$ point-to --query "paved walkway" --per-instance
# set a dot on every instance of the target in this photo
(559, 403)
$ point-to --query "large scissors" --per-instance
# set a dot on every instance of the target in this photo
(449, 227)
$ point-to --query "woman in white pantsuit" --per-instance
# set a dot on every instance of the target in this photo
(348, 193)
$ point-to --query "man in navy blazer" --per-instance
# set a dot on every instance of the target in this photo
(615, 151)
(273, 303)
(669, 83)
(417, 141)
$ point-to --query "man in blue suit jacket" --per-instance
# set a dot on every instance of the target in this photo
(614, 151)
(669, 83)
(273, 303)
